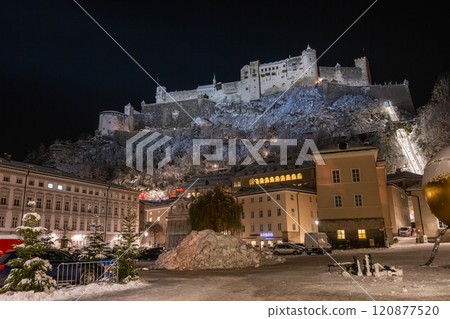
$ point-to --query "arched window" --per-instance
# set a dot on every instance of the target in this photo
(266, 180)
(282, 178)
(251, 182)
(271, 180)
(277, 179)
(299, 176)
(261, 180)
(293, 177)
(288, 177)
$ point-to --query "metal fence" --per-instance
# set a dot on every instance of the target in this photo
(84, 273)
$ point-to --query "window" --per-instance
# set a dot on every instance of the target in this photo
(341, 234)
(312, 214)
(50, 185)
(83, 207)
(116, 211)
(261, 227)
(252, 200)
(355, 175)
(279, 226)
(2, 221)
(4, 199)
(336, 175)
(278, 196)
(6, 178)
(278, 211)
(47, 222)
(77, 190)
(116, 227)
(66, 224)
(39, 203)
(269, 212)
(252, 228)
(66, 206)
(75, 206)
(269, 198)
(60, 187)
(260, 199)
(252, 214)
(108, 227)
(243, 228)
(337, 201)
(243, 215)
(74, 224)
(292, 197)
(269, 227)
(16, 200)
(31, 183)
(293, 226)
(14, 221)
(292, 211)
(41, 184)
(82, 225)
(68, 188)
(19, 181)
(358, 200)
(260, 213)
(48, 204)
(362, 234)
(58, 205)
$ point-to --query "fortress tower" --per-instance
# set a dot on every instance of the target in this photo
(309, 70)
(363, 64)
(160, 94)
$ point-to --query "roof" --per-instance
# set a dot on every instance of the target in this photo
(36, 169)
(403, 175)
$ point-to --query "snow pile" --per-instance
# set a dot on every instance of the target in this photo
(207, 249)
(72, 293)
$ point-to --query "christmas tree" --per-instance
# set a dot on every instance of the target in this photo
(29, 272)
(94, 249)
(126, 252)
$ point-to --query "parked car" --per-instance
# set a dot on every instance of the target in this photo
(150, 253)
(317, 243)
(287, 249)
(65, 268)
(404, 231)
(7, 242)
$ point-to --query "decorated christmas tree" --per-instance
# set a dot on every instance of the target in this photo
(126, 252)
(29, 271)
(95, 247)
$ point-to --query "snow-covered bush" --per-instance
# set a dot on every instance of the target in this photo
(94, 249)
(28, 271)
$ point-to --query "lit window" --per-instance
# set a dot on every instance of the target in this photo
(362, 234)
(272, 180)
(277, 179)
(266, 180)
(60, 187)
(355, 175)
(336, 176)
(50, 185)
(288, 177)
(341, 234)
(293, 177)
(251, 182)
(282, 178)
(261, 180)
(299, 176)
(358, 200)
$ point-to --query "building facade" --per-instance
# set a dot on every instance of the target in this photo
(352, 198)
(68, 205)
(281, 213)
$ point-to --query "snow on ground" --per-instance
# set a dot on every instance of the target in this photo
(72, 293)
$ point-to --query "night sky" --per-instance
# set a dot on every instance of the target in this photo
(59, 70)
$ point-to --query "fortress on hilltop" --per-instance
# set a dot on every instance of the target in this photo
(256, 80)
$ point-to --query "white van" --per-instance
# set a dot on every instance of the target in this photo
(317, 243)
